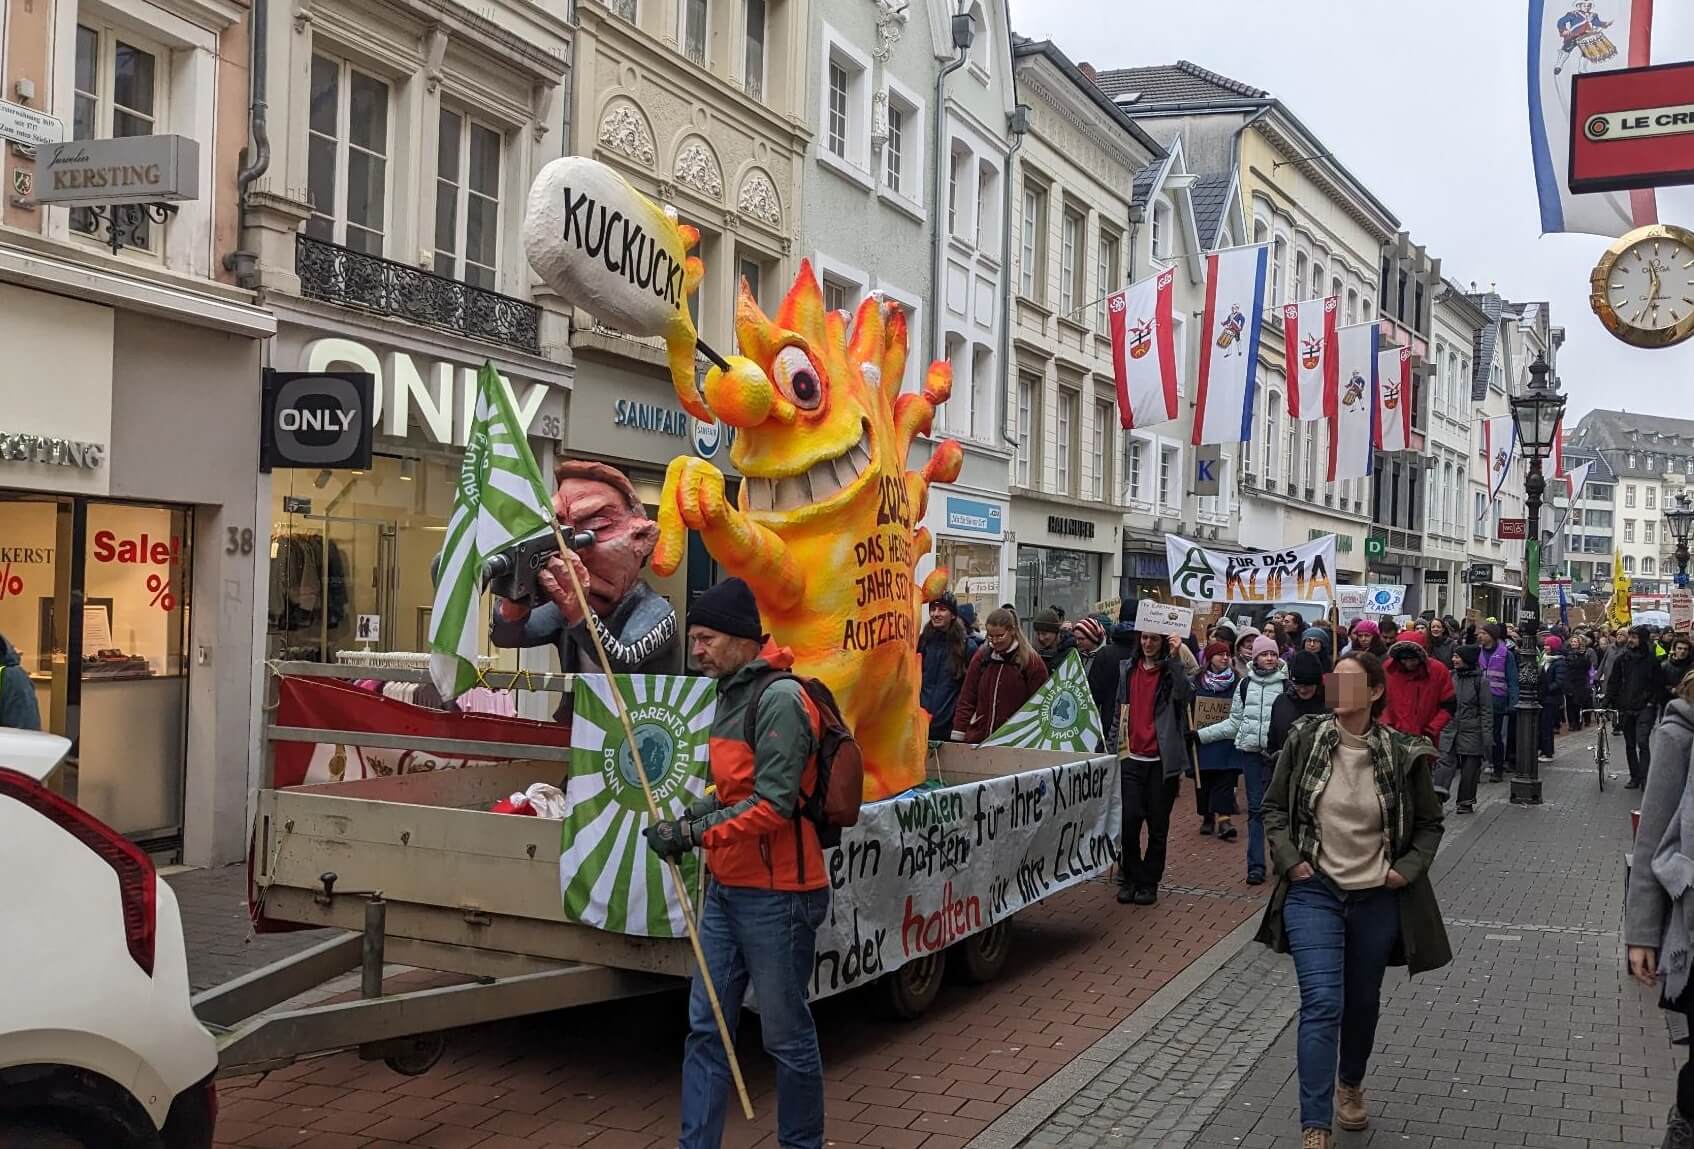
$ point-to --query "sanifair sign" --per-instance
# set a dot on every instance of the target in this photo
(431, 399)
(1632, 128)
(1305, 573)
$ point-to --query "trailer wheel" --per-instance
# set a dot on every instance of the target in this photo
(415, 1056)
(913, 987)
(981, 957)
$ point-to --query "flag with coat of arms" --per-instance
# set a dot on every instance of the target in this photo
(1308, 330)
(1144, 350)
(1394, 399)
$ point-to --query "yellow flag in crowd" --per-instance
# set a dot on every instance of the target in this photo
(1617, 613)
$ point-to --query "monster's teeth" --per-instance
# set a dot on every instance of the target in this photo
(758, 494)
(845, 471)
(791, 494)
(861, 456)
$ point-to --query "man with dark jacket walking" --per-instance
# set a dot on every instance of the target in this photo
(1152, 704)
(1472, 729)
(1635, 688)
(1105, 670)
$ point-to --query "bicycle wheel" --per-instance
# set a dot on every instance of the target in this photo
(1600, 756)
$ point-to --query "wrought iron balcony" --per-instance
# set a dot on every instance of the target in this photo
(351, 278)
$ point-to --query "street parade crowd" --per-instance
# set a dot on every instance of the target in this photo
(1351, 741)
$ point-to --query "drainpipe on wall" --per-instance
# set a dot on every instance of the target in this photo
(1019, 125)
(256, 160)
(964, 34)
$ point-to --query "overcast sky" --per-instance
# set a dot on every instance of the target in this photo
(1425, 103)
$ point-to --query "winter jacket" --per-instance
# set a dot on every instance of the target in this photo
(1219, 754)
(940, 689)
(1413, 827)
(1420, 701)
(1441, 650)
(1577, 665)
(1103, 676)
(1066, 644)
(753, 835)
(1471, 732)
(1289, 709)
(1647, 904)
(1249, 720)
(1553, 677)
(1674, 672)
(17, 693)
(995, 687)
(1170, 712)
(1499, 667)
(1637, 680)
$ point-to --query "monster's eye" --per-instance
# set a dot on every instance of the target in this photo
(798, 379)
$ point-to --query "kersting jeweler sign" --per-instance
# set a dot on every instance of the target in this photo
(1632, 128)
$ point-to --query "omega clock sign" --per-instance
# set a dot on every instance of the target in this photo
(317, 419)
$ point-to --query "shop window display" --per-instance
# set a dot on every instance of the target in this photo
(1050, 577)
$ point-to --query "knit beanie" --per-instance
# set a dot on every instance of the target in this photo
(1215, 648)
(1305, 669)
(1553, 643)
(1469, 655)
(967, 615)
(1366, 626)
(1265, 645)
(1318, 633)
(728, 608)
(1047, 620)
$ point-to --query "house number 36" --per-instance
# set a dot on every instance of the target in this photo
(240, 541)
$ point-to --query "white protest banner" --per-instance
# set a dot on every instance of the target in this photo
(1162, 618)
(922, 871)
(1378, 598)
(608, 249)
(1682, 610)
(1303, 573)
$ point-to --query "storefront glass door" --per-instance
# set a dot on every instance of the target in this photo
(95, 600)
(1049, 577)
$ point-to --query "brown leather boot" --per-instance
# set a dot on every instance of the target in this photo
(1315, 1139)
(1350, 1111)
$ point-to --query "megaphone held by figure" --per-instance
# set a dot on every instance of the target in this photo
(511, 573)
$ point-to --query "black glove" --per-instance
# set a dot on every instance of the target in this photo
(671, 840)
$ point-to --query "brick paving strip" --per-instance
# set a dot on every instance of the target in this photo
(1534, 1036)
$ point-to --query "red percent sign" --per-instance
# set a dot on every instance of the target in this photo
(160, 589)
(11, 585)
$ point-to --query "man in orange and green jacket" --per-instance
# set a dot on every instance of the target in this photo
(768, 892)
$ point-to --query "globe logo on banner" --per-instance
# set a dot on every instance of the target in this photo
(1059, 716)
(610, 879)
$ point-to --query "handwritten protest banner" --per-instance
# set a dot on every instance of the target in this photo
(1304, 573)
(928, 869)
(1162, 618)
(1377, 598)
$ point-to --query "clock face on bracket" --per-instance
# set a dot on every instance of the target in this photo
(1643, 287)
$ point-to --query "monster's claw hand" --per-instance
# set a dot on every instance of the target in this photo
(944, 464)
(693, 499)
(913, 414)
(935, 584)
(938, 383)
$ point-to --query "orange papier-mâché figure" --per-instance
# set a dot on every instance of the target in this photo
(825, 533)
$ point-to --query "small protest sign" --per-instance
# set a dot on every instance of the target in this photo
(1163, 618)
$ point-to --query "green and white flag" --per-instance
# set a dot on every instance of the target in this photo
(500, 498)
(610, 879)
(1059, 716)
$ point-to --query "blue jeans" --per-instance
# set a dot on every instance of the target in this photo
(766, 938)
(1341, 941)
(1257, 769)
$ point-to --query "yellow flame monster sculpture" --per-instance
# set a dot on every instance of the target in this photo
(825, 531)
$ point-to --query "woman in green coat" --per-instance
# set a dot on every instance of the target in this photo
(1353, 823)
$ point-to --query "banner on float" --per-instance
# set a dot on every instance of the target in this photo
(1059, 716)
(922, 871)
(1304, 573)
(608, 877)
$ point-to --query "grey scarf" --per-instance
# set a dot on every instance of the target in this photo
(1674, 869)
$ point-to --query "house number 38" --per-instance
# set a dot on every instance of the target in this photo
(240, 541)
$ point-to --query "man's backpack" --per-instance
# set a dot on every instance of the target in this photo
(834, 802)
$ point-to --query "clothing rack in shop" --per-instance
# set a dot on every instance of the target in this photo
(494, 679)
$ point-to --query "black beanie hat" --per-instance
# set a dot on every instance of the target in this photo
(1305, 669)
(728, 608)
(1470, 655)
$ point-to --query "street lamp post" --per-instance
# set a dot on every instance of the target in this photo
(1680, 521)
(1535, 414)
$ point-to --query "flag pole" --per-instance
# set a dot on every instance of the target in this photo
(653, 812)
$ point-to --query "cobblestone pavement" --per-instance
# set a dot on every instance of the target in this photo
(608, 1076)
(214, 927)
(1534, 1036)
